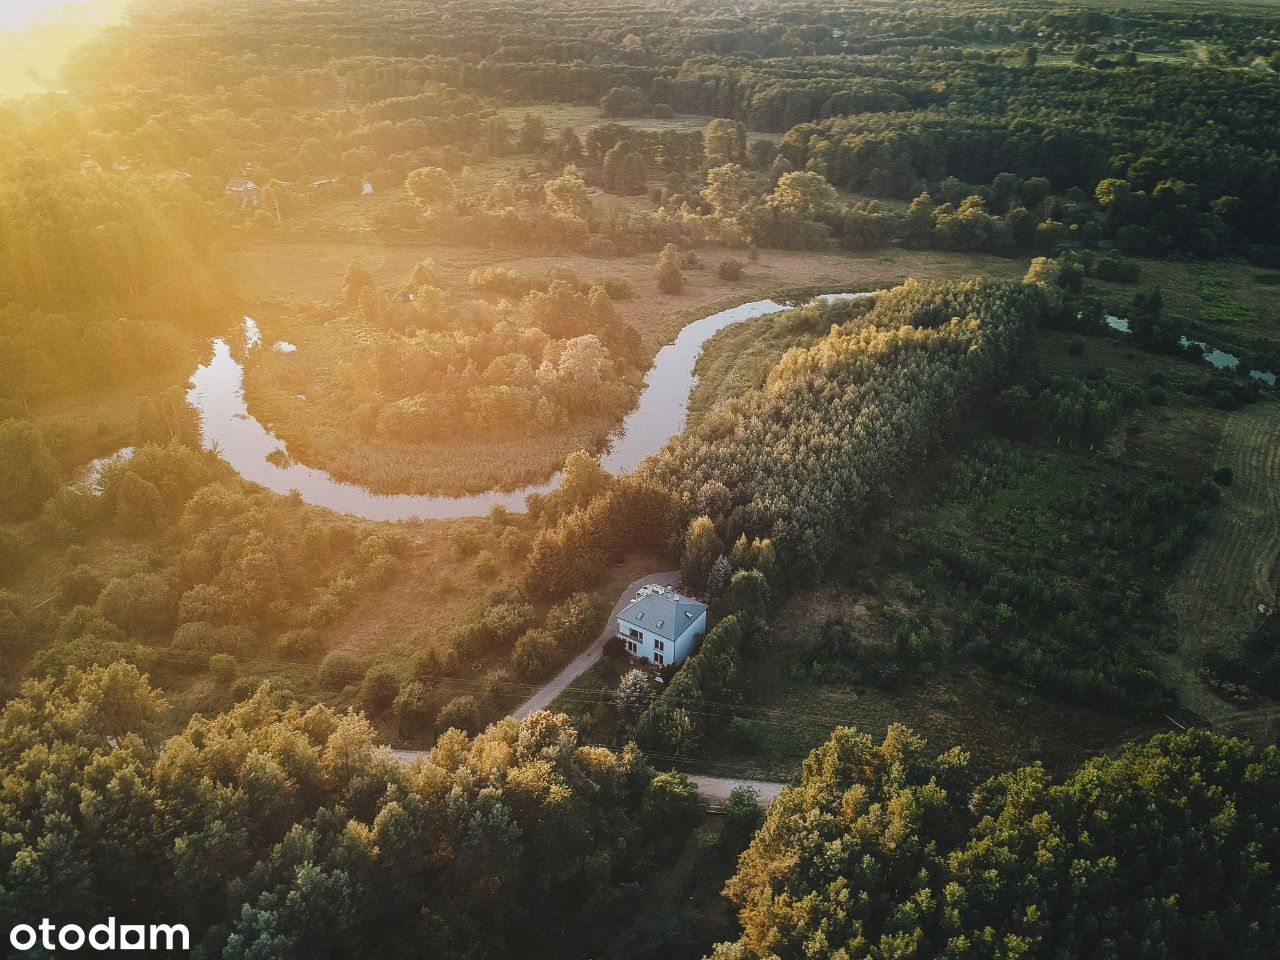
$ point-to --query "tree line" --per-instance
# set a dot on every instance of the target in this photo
(883, 849)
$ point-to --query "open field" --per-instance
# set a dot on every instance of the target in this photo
(438, 592)
(1231, 305)
(1231, 575)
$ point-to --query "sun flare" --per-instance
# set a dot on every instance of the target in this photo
(640, 479)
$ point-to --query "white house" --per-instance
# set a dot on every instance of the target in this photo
(661, 625)
(244, 189)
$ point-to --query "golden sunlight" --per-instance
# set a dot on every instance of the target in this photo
(37, 36)
(21, 13)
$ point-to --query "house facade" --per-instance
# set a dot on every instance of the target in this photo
(243, 189)
(661, 625)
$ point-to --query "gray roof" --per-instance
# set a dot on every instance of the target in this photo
(667, 614)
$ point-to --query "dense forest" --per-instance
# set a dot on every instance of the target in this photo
(121, 184)
(970, 496)
(277, 832)
(882, 850)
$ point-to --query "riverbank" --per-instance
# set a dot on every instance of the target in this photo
(256, 453)
(306, 396)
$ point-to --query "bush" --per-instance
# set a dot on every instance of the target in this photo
(535, 654)
(436, 661)
(144, 603)
(28, 472)
(222, 666)
(601, 247)
(205, 639)
(574, 621)
(730, 269)
(670, 274)
(461, 712)
(743, 815)
(618, 288)
(296, 644)
(81, 585)
(1224, 476)
(505, 621)
(339, 668)
(669, 810)
(486, 567)
(379, 688)
(413, 707)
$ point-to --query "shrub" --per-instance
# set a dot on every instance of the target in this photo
(144, 603)
(670, 274)
(486, 567)
(669, 809)
(296, 644)
(81, 584)
(222, 666)
(461, 712)
(413, 707)
(332, 601)
(534, 654)
(574, 621)
(618, 288)
(601, 247)
(205, 639)
(379, 688)
(505, 621)
(204, 602)
(730, 269)
(436, 661)
(379, 571)
(1224, 476)
(339, 668)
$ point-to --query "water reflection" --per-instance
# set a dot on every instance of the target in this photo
(258, 455)
(1218, 359)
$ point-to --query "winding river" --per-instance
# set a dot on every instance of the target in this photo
(258, 455)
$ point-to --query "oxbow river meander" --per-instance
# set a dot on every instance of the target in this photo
(258, 455)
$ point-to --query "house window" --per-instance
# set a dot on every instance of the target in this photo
(659, 645)
(634, 633)
(658, 659)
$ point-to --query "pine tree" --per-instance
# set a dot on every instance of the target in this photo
(718, 579)
(635, 690)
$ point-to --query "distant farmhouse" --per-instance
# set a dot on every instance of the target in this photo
(245, 189)
(661, 625)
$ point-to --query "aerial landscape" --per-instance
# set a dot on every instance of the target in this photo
(636, 479)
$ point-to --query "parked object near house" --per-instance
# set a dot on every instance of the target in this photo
(661, 625)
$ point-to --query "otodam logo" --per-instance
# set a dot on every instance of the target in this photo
(101, 936)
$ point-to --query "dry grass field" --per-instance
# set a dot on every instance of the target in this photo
(1232, 573)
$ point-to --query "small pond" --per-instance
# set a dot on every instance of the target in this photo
(1218, 359)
